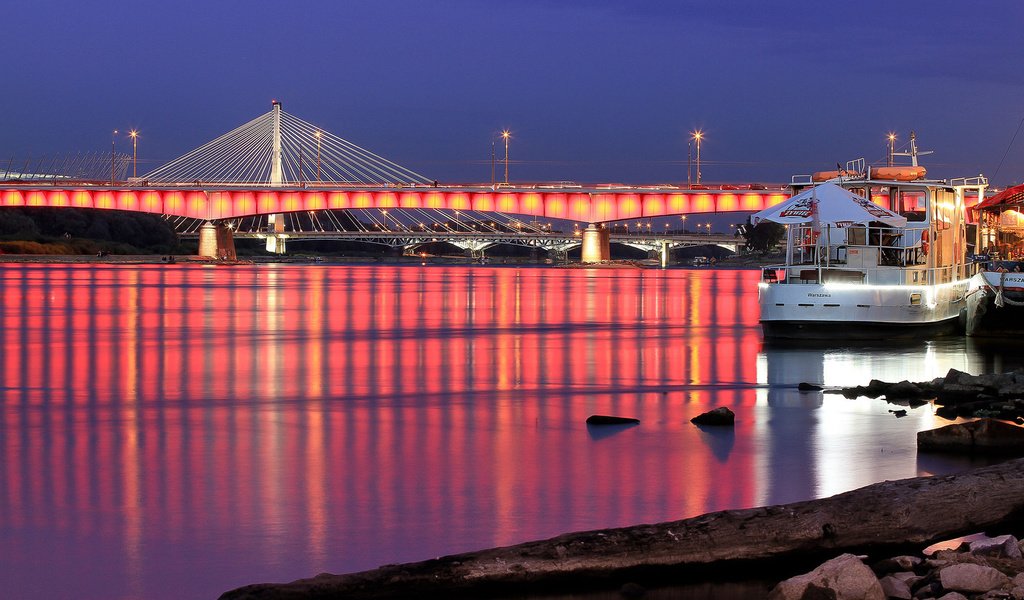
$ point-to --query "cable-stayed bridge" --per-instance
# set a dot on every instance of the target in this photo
(278, 170)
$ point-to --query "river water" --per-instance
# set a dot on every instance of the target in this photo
(175, 431)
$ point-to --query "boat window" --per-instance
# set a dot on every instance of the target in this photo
(945, 203)
(880, 196)
(912, 204)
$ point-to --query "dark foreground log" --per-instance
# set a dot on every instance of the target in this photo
(879, 519)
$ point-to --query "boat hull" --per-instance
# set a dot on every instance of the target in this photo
(860, 312)
(985, 316)
(866, 331)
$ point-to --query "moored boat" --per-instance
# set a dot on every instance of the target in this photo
(995, 300)
(870, 257)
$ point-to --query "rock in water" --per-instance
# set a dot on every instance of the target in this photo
(719, 416)
(610, 420)
(842, 577)
(983, 435)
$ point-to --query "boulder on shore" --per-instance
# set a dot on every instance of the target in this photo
(983, 436)
(844, 576)
(719, 416)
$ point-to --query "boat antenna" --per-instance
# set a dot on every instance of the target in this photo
(914, 152)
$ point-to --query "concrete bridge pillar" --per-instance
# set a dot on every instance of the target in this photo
(275, 226)
(208, 240)
(216, 241)
(664, 253)
(596, 244)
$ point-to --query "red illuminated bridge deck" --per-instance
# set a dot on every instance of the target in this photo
(592, 205)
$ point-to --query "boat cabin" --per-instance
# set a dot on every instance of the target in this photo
(927, 246)
(1000, 233)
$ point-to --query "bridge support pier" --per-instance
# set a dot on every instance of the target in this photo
(596, 244)
(275, 226)
(664, 253)
(225, 242)
(216, 241)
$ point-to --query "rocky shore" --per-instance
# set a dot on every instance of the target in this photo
(888, 519)
(958, 394)
(984, 569)
(868, 543)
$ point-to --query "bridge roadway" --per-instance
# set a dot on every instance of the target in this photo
(598, 204)
(555, 240)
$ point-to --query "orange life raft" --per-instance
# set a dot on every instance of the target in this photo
(905, 173)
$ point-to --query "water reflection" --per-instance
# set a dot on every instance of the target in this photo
(174, 431)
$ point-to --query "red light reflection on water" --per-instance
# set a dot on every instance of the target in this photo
(335, 418)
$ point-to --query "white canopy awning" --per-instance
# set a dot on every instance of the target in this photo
(835, 207)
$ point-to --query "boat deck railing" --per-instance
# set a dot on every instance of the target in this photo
(859, 254)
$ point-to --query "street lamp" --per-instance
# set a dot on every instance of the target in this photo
(683, 219)
(892, 147)
(135, 151)
(689, 164)
(318, 136)
(505, 135)
(698, 135)
(457, 223)
(384, 213)
(113, 137)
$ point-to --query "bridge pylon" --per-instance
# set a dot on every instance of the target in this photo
(275, 243)
(216, 241)
(596, 244)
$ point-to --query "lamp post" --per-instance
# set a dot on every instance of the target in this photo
(384, 214)
(135, 151)
(505, 135)
(698, 135)
(318, 136)
(492, 162)
(113, 137)
(892, 148)
(689, 164)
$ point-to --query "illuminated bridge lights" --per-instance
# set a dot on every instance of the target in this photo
(212, 204)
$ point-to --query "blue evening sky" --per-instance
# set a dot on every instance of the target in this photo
(592, 90)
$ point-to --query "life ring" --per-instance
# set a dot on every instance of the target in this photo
(924, 242)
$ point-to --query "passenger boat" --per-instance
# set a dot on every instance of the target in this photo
(893, 267)
(995, 298)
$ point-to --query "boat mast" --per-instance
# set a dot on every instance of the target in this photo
(914, 153)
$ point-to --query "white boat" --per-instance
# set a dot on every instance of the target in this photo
(871, 253)
(995, 298)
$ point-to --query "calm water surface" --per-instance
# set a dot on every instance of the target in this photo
(172, 432)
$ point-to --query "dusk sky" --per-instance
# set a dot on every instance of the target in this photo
(592, 90)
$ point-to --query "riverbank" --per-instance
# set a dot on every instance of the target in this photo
(879, 520)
